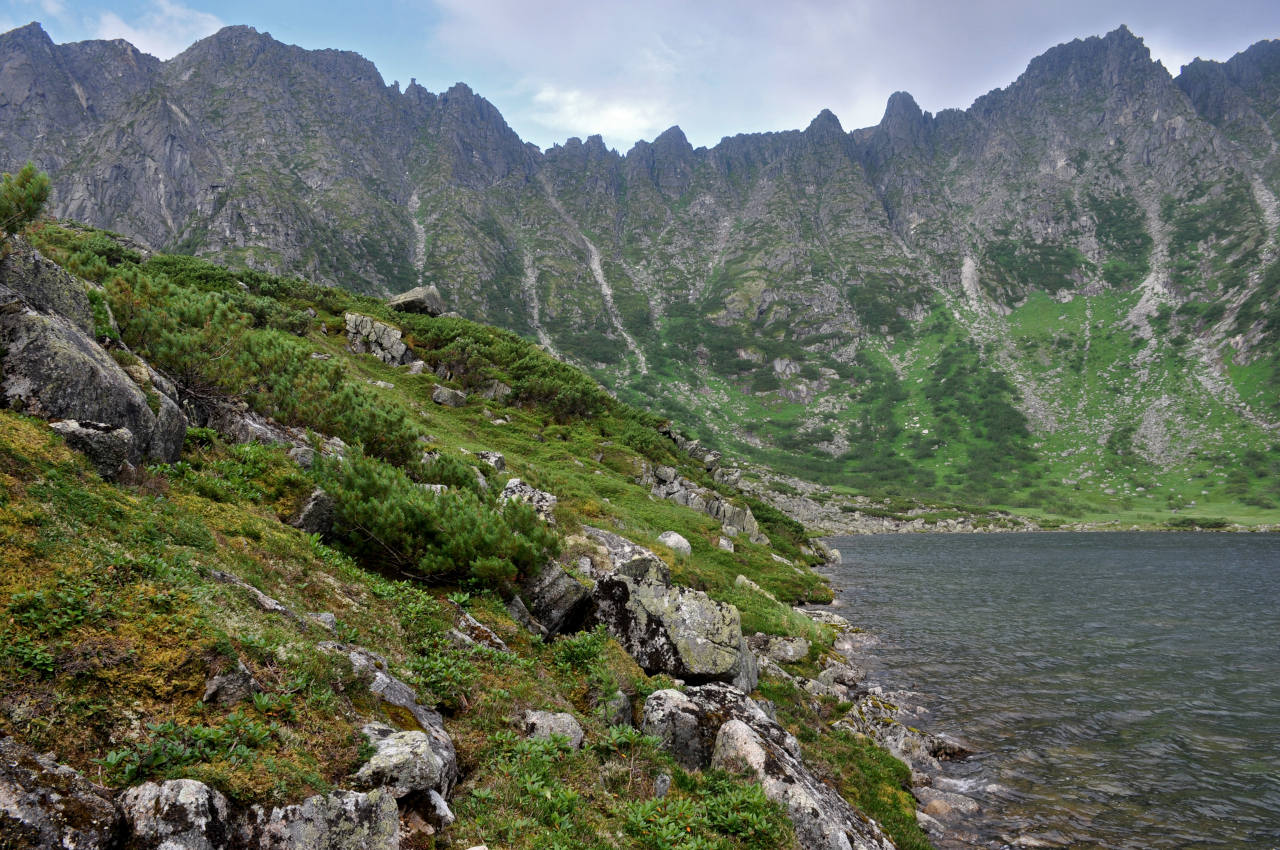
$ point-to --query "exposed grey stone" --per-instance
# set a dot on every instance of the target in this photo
(372, 668)
(630, 559)
(44, 284)
(543, 502)
(779, 649)
(559, 601)
(107, 448)
(420, 299)
(180, 814)
(341, 820)
(661, 785)
(46, 805)
(675, 542)
(520, 613)
(316, 515)
(369, 336)
(746, 583)
(304, 456)
(494, 459)
(402, 762)
(675, 630)
(448, 397)
(544, 724)
(230, 688)
(725, 543)
(717, 725)
(682, 491)
(51, 368)
(324, 619)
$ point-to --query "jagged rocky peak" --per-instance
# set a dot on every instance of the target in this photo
(904, 120)
(485, 149)
(825, 123)
(666, 162)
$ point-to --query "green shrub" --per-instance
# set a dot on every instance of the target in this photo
(384, 516)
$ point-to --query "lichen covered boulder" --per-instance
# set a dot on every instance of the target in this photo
(44, 804)
(676, 630)
(179, 813)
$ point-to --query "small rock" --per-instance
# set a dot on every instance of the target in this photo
(725, 543)
(403, 762)
(616, 710)
(324, 620)
(494, 459)
(447, 397)
(230, 688)
(304, 456)
(417, 367)
(661, 785)
(316, 516)
(543, 502)
(544, 724)
(676, 542)
(107, 448)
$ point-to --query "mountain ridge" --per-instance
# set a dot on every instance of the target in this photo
(747, 286)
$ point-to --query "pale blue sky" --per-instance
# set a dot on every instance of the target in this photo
(557, 68)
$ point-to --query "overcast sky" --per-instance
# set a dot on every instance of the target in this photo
(561, 68)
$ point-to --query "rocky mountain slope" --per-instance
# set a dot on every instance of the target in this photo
(1060, 298)
(284, 567)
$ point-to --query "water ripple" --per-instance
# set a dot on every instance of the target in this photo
(1124, 688)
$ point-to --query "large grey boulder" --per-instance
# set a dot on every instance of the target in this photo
(44, 804)
(676, 630)
(420, 299)
(676, 542)
(559, 601)
(180, 814)
(687, 722)
(44, 284)
(448, 397)
(369, 336)
(51, 368)
(341, 820)
(630, 559)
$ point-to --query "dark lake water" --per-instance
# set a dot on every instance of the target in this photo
(1124, 689)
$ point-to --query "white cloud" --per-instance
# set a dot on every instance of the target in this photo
(165, 30)
(619, 121)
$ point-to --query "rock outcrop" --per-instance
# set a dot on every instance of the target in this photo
(178, 813)
(719, 726)
(675, 630)
(44, 804)
(669, 484)
(420, 299)
(560, 602)
(52, 367)
(369, 336)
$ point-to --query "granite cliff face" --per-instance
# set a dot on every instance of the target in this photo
(1088, 245)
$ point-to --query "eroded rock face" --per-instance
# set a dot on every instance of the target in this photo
(316, 515)
(179, 813)
(44, 284)
(543, 502)
(716, 725)
(53, 369)
(630, 559)
(44, 804)
(420, 299)
(676, 630)
(342, 820)
(369, 336)
(669, 485)
(560, 602)
(448, 397)
(108, 448)
(373, 669)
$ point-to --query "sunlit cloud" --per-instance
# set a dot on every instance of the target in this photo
(165, 30)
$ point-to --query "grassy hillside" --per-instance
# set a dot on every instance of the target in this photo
(118, 607)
